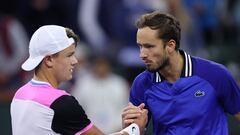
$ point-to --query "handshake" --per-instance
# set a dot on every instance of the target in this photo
(134, 119)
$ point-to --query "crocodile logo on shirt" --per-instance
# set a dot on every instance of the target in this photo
(199, 93)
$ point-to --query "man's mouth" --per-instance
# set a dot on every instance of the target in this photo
(147, 61)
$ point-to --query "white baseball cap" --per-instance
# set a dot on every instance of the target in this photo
(47, 40)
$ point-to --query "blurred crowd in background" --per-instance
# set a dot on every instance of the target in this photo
(108, 53)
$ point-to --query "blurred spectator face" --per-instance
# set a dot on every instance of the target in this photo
(101, 68)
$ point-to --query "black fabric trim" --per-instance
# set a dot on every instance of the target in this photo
(69, 116)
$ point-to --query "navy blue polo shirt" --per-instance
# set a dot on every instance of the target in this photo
(196, 104)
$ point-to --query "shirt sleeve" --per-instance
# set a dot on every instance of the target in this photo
(229, 93)
(140, 85)
(69, 116)
(137, 92)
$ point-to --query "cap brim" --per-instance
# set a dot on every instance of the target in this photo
(31, 63)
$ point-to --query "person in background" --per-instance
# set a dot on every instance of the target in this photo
(183, 94)
(39, 107)
(13, 51)
(110, 92)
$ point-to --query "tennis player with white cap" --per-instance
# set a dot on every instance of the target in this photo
(39, 107)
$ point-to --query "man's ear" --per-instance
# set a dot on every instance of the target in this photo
(170, 46)
(48, 61)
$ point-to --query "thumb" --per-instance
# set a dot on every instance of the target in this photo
(141, 106)
(129, 103)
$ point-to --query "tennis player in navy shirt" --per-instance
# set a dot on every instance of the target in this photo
(185, 95)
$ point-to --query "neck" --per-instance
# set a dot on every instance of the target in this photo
(46, 77)
(173, 70)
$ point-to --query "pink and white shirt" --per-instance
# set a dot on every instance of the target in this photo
(39, 109)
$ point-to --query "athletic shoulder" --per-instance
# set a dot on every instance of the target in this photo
(69, 116)
(143, 77)
(204, 67)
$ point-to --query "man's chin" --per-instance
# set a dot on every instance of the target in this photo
(152, 70)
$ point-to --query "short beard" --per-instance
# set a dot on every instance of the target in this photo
(164, 63)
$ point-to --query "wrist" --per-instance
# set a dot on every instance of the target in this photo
(132, 129)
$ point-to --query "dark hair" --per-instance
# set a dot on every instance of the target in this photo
(168, 26)
(71, 34)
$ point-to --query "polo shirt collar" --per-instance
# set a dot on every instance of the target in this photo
(187, 71)
(36, 82)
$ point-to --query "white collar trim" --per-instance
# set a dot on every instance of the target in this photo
(187, 67)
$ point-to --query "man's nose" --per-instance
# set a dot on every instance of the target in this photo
(143, 53)
(75, 61)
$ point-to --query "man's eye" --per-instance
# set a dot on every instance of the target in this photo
(70, 55)
(148, 46)
(140, 46)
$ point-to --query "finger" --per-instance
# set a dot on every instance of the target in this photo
(129, 103)
(131, 116)
(144, 111)
(127, 122)
(131, 110)
(141, 106)
(131, 107)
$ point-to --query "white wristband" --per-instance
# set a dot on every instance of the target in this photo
(132, 129)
